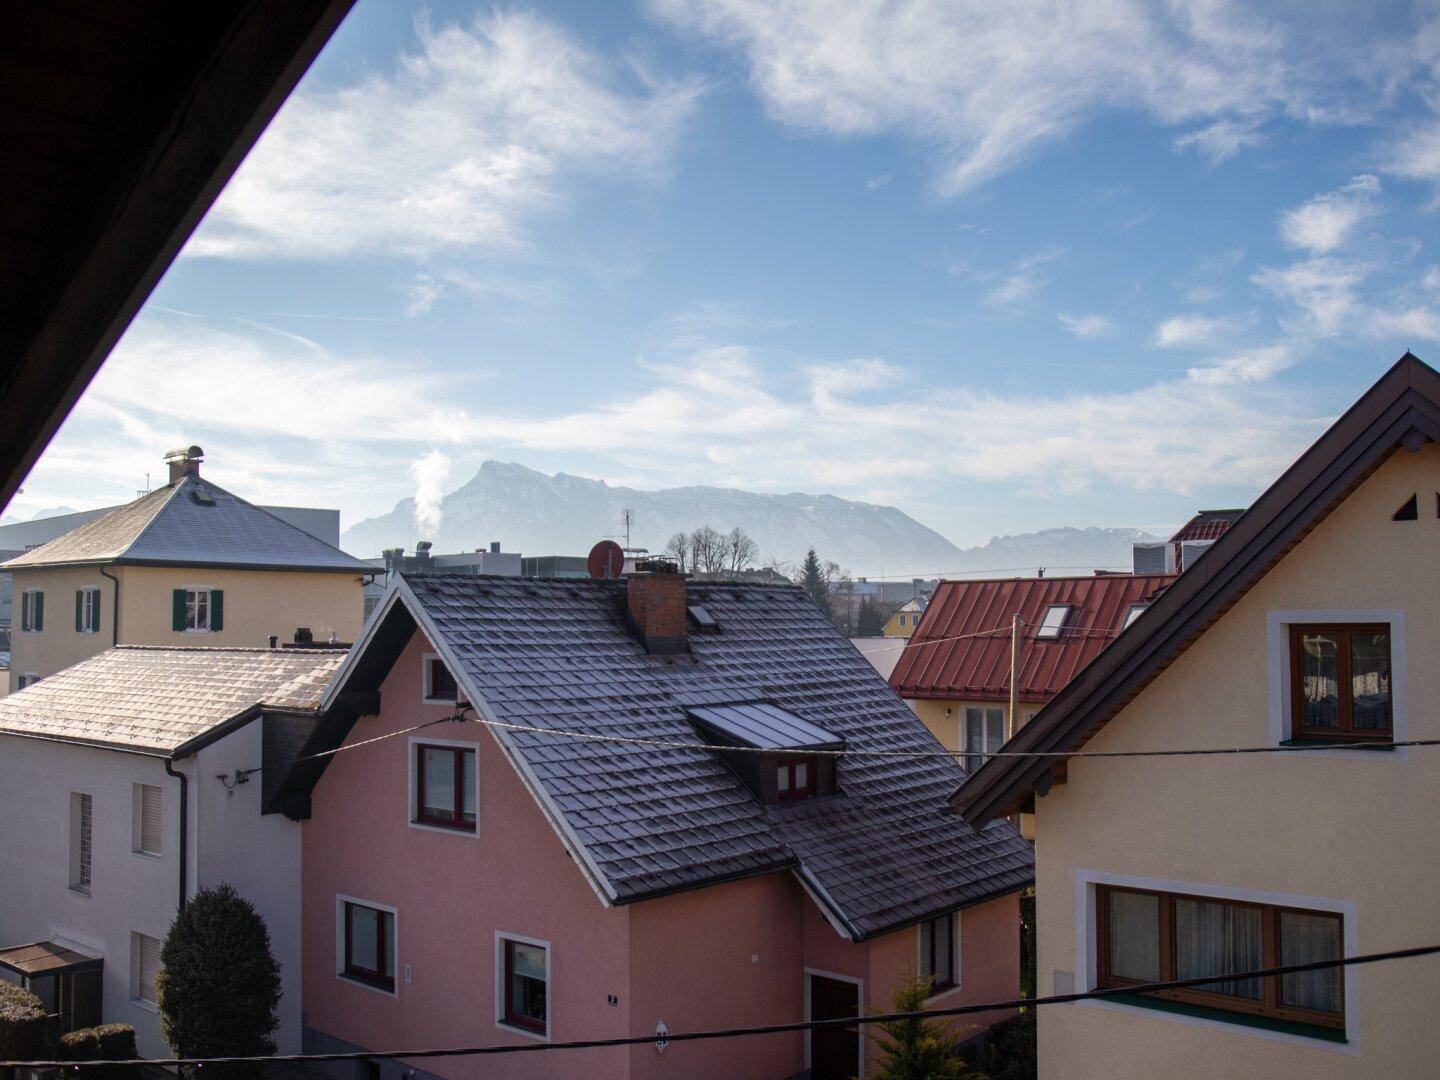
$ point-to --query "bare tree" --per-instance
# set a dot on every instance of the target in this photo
(707, 552)
(740, 551)
(678, 548)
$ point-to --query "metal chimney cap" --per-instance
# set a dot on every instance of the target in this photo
(184, 453)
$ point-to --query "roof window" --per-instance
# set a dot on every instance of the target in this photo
(1054, 622)
(792, 771)
(702, 618)
(1133, 614)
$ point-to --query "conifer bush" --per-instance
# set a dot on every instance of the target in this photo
(919, 1049)
(219, 985)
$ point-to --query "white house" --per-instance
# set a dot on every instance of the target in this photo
(118, 799)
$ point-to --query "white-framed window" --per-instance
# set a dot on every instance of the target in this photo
(81, 841)
(523, 974)
(983, 733)
(439, 686)
(444, 786)
(1053, 622)
(28, 678)
(366, 944)
(87, 611)
(197, 609)
(939, 957)
(32, 611)
(148, 821)
(144, 967)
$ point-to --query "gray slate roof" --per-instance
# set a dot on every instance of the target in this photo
(190, 523)
(558, 654)
(157, 699)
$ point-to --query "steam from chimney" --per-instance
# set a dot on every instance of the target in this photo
(429, 475)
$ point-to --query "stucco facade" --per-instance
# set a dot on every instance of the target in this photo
(1350, 832)
(729, 955)
(258, 603)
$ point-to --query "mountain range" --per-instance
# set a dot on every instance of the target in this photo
(539, 514)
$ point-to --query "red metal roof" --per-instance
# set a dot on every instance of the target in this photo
(979, 667)
(1206, 525)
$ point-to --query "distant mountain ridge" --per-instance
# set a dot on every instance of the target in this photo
(539, 514)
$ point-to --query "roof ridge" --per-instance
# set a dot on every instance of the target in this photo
(95, 524)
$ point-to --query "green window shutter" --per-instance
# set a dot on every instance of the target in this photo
(177, 610)
(217, 609)
(39, 611)
(79, 610)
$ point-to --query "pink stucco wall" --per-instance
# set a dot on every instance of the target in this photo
(725, 956)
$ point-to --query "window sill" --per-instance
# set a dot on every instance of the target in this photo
(943, 992)
(148, 1006)
(448, 830)
(197, 631)
(366, 984)
(1263, 1023)
(153, 856)
(1315, 743)
(79, 890)
(516, 1029)
(450, 702)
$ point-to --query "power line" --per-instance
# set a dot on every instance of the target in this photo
(768, 1029)
(241, 774)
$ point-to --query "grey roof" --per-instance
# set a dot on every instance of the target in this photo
(158, 699)
(648, 821)
(759, 723)
(190, 523)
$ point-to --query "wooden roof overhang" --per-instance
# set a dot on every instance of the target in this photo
(1402, 409)
(119, 125)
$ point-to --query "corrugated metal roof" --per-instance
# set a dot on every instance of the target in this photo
(190, 523)
(157, 699)
(759, 723)
(979, 667)
(652, 820)
(1207, 525)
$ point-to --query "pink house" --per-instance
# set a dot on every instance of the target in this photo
(474, 884)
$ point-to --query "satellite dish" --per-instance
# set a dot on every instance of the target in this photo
(607, 560)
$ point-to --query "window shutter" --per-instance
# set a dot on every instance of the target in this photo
(151, 819)
(39, 611)
(79, 610)
(147, 966)
(217, 609)
(177, 610)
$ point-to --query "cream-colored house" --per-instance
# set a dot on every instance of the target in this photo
(1314, 620)
(186, 564)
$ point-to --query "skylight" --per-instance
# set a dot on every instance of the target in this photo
(1053, 622)
(1133, 614)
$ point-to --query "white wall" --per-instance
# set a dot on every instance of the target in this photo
(229, 840)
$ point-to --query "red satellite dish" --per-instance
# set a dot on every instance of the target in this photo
(607, 560)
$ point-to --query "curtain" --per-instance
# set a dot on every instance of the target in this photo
(1370, 680)
(1134, 936)
(440, 781)
(1320, 678)
(1303, 940)
(1214, 938)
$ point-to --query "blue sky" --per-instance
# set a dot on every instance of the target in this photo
(1004, 266)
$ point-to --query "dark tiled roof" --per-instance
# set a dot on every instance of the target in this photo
(157, 699)
(957, 665)
(192, 523)
(1207, 525)
(558, 654)
(761, 724)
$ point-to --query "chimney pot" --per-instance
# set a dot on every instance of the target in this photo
(304, 636)
(655, 595)
(274, 641)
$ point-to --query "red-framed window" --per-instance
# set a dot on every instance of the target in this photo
(1340, 682)
(1147, 936)
(370, 945)
(937, 952)
(445, 786)
(795, 778)
(527, 984)
(439, 683)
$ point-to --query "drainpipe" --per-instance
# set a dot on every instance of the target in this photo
(115, 614)
(184, 822)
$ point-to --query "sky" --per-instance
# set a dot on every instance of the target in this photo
(1004, 266)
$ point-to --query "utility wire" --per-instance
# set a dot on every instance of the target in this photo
(241, 774)
(768, 1029)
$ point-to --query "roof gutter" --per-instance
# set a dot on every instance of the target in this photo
(184, 825)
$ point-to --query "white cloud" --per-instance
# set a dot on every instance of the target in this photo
(1221, 140)
(1326, 221)
(1416, 155)
(423, 291)
(1407, 325)
(1323, 289)
(468, 138)
(1087, 327)
(1193, 331)
(1431, 280)
(877, 182)
(1026, 278)
(985, 86)
(1253, 366)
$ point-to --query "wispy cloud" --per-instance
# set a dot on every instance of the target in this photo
(877, 182)
(472, 135)
(1193, 331)
(1327, 221)
(423, 291)
(1323, 289)
(1253, 366)
(960, 78)
(1087, 327)
(1026, 278)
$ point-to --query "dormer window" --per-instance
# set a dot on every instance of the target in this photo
(788, 767)
(1053, 622)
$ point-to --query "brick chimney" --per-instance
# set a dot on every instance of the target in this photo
(184, 461)
(655, 591)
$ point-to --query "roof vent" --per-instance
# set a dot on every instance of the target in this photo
(1153, 558)
(1190, 550)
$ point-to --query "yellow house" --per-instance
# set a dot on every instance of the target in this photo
(905, 619)
(1307, 630)
(186, 564)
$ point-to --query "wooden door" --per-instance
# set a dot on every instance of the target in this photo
(835, 1051)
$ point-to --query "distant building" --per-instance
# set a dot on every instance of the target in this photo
(1189, 542)
(882, 652)
(555, 566)
(905, 619)
(187, 564)
(394, 561)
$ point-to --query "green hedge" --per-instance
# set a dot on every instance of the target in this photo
(108, 1042)
(22, 1020)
